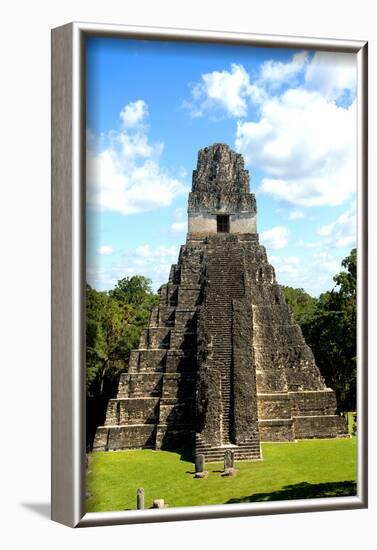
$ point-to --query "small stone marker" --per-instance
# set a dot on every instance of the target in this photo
(159, 503)
(228, 459)
(140, 498)
(199, 466)
(228, 463)
(88, 461)
(199, 463)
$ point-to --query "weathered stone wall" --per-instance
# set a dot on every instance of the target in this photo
(204, 223)
(139, 436)
(155, 405)
(220, 186)
(220, 169)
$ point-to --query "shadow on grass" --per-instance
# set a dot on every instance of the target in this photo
(301, 491)
(186, 454)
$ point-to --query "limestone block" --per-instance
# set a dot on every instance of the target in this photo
(180, 360)
(151, 360)
(100, 440)
(308, 427)
(155, 338)
(140, 385)
(132, 437)
(311, 403)
(181, 340)
(185, 320)
(138, 411)
(188, 298)
(272, 314)
(112, 413)
(272, 406)
(276, 430)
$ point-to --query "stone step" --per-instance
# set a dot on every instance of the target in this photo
(239, 456)
(221, 450)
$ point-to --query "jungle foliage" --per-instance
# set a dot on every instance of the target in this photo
(114, 321)
(329, 327)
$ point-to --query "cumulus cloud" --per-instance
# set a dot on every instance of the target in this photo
(314, 274)
(104, 250)
(274, 73)
(152, 262)
(306, 146)
(315, 244)
(288, 269)
(134, 113)
(341, 232)
(179, 227)
(296, 215)
(326, 263)
(229, 90)
(124, 172)
(333, 76)
(146, 251)
(302, 135)
(275, 238)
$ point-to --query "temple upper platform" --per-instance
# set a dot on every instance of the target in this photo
(220, 200)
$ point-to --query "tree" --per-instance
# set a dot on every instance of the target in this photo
(302, 304)
(329, 327)
(115, 320)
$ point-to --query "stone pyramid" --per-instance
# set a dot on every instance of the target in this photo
(222, 364)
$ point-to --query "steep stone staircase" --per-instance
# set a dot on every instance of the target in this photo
(224, 271)
(226, 283)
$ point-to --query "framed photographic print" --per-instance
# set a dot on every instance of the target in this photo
(209, 245)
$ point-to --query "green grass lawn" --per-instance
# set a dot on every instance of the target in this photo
(304, 469)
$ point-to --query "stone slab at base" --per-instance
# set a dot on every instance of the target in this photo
(201, 475)
(230, 472)
(117, 438)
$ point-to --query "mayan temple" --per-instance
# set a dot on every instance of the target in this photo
(222, 364)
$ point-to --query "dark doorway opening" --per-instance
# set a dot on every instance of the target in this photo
(223, 224)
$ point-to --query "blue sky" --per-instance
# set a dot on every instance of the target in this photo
(152, 105)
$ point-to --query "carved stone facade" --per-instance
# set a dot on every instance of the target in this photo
(222, 364)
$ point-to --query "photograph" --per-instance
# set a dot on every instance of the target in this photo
(221, 273)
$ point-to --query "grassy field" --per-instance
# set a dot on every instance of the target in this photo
(304, 469)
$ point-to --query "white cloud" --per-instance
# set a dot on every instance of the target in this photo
(124, 173)
(302, 138)
(341, 232)
(179, 227)
(325, 262)
(146, 251)
(315, 244)
(104, 250)
(230, 90)
(314, 273)
(275, 238)
(133, 113)
(296, 215)
(146, 260)
(287, 268)
(306, 146)
(332, 75)
(274, 73)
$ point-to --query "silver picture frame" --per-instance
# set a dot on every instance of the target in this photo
(68, 275)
